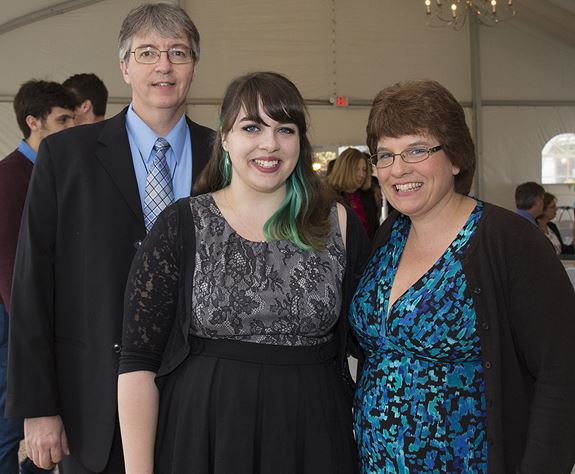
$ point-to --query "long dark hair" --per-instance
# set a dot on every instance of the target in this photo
(303, 216)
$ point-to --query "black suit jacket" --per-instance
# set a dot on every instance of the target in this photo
(81, 226)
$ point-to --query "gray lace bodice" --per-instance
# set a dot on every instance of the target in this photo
(265, 292)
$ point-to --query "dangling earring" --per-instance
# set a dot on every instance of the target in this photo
(226, 169)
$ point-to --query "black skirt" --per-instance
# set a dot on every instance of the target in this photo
(246, 408)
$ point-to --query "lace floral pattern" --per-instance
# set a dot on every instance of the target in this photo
(152, 288)
(264, 292)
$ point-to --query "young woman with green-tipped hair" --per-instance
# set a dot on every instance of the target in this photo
(235, 329)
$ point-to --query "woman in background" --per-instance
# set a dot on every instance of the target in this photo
(549, 228)
(350, 178)
(236, 308)
(464, 313)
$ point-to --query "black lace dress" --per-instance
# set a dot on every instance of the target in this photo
(261, 391)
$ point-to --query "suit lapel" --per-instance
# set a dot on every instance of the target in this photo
(116, 157)
(200, 149)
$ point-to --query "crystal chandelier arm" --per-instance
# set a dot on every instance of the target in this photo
(454, 12)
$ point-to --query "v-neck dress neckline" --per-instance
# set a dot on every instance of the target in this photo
(420, 404)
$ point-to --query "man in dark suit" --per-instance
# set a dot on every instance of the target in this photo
(41, 108)
(94, 193)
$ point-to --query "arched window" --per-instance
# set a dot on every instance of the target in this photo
(558, 160)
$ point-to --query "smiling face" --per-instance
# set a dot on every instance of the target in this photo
(416, 189)
(263, 155)
(160, 86)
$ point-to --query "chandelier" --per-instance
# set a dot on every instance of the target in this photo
(455, 12)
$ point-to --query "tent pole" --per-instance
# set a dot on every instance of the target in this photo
(44, 13)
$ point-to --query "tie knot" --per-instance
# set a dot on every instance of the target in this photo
(161, 145)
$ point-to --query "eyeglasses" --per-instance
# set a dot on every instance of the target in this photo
(151, 55)
(383, 159)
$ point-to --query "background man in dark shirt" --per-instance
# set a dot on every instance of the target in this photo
(92, 97)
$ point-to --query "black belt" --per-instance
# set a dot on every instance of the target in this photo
(264, 353)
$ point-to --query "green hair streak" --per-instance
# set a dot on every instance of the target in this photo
(226, 170)
(282, 225)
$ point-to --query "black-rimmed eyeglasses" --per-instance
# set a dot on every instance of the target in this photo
(151, 55)
(383, 159)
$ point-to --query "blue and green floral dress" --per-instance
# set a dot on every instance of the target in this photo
(420, 404)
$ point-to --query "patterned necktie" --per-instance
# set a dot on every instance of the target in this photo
(159, 190)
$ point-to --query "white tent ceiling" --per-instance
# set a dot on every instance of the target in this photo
(555, 18)
(17, 14)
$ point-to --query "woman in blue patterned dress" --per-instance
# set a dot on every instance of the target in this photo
(465, 371)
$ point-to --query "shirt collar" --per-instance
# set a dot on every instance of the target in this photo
(27, 151)
(144, 137)
(527, 215)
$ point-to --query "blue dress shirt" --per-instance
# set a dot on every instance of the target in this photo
(527, 215)
(25, 149)
(179, 156)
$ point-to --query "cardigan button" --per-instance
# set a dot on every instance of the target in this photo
(137, 244)
(477, 290)
(117, 348)
(487, 364)
(485, 326)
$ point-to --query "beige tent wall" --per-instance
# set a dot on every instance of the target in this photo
(331, 47)
(533, 77)
(512, 154)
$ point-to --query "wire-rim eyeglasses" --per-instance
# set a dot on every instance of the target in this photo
(416, 154)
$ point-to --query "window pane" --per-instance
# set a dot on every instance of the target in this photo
(558, 160)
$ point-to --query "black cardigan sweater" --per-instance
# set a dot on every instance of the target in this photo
(565, 249)
(525, 307)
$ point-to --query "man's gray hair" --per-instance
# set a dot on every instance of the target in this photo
(167, 19)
